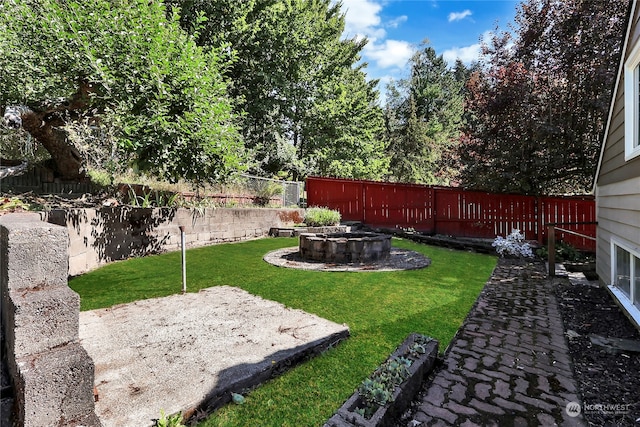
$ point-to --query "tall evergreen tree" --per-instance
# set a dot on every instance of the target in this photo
(423, 115)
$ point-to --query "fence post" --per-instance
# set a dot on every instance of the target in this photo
(551, 242)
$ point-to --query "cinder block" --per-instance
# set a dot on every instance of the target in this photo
(39, 320)
(34, 252)
(83, 262)
(204, 237)
(56, 388)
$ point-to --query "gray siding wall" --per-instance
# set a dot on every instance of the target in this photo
(613, 167)
(618, 218)
(618, 182)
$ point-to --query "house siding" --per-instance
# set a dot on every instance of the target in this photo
(613, 167)
(618, 218)
(618, 182)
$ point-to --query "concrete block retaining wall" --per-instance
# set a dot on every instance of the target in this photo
(99, 236)
(51, 373)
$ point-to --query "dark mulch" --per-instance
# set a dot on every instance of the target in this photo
(608, 378)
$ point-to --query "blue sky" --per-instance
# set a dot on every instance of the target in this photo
(395, 29)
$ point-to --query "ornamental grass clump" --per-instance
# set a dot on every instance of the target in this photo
(321, 217)
(514, 245)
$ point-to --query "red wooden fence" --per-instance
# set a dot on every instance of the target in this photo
(454, 211)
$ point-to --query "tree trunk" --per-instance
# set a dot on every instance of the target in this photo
(46, 129)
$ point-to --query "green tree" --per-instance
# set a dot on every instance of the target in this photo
(125, 67)
(294, 78)
(423, 117)
(343, 133)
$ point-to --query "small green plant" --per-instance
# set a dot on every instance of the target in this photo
(419, 345)
(377, 390)
(266, 191)
(15, 204)
(12, 204)
(174, 420)
(321, 217)
(153, 198)
(417, 349)
(166, 200)
(101, 178)
(564, 252)
(237, 398)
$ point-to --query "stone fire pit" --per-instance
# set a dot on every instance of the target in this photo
(344, 247)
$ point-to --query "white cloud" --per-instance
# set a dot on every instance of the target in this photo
(389, 53)
(362, 19)
(466, 54)
(458, 16)
(395, 23)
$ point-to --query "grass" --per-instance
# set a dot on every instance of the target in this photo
(381, 309)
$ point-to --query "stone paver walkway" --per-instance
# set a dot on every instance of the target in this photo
(509, 364)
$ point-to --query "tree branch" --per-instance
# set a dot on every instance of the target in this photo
(7, 171)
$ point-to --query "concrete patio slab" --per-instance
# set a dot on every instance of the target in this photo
(189, 352)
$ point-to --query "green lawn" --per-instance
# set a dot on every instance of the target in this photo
(381, 309)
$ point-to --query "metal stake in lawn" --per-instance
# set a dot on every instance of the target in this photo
(184, 260)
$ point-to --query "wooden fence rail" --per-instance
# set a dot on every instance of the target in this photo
(454, 211)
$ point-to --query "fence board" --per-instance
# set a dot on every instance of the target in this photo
(398, 206)
(577, 211)
(454, 211)
(344, 196)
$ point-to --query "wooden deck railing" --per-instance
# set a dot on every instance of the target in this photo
(551, 240)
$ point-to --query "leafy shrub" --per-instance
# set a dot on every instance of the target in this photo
(266, 191)
(101, 178)
(321, 217)
(513, 245)
(564, 252)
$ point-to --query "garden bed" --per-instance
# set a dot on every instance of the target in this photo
(356, 412)
(605, 375)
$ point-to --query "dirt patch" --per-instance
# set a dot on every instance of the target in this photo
(608, 378)
(189, 352)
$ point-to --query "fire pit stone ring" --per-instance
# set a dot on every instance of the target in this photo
(343, 248)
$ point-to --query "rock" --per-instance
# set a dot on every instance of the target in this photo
(615, 345)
